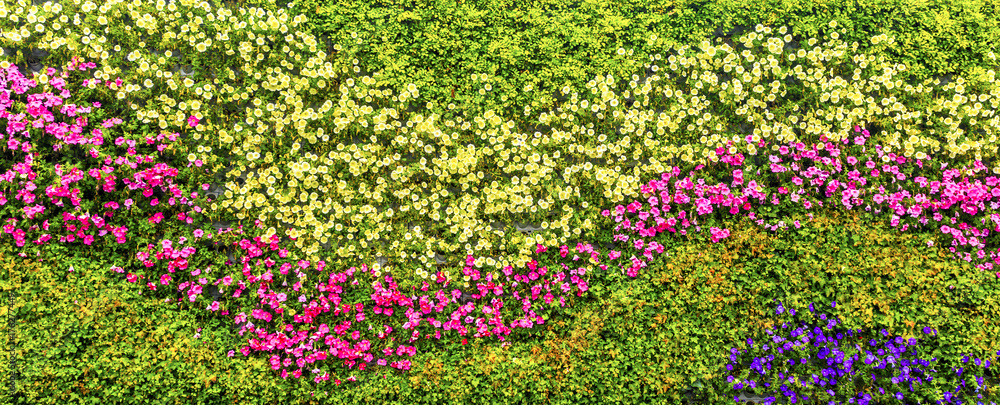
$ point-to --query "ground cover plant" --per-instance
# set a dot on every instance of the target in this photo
(297, 296)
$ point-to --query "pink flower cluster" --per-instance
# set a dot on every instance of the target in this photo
(29, 177)
(382, 331)
(833, 175)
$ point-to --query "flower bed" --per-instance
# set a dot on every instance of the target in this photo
(324, 315)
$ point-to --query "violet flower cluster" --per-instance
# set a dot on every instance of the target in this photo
(862, 357)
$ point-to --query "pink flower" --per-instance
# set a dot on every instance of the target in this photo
(156, 218)
(193, 121)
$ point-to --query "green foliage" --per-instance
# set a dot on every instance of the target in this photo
(96, 340)
(879, 278)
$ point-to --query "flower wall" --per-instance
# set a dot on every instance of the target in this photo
(366, 242)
